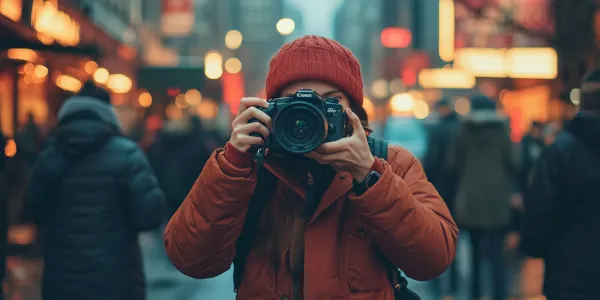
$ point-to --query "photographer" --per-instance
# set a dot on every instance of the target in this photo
(371, 212)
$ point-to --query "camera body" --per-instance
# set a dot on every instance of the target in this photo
(303, 122)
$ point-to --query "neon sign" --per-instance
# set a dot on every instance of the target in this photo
(47, 19)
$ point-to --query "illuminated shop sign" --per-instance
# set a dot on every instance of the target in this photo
(47, 19)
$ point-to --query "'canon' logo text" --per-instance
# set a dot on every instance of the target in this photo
(303, 95)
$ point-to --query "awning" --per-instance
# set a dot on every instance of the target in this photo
(16, 35)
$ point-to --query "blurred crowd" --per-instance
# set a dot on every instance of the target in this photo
(528, 205)
(515, 202)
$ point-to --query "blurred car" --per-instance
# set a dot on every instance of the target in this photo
(407, 132)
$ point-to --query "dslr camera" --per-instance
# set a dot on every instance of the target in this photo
(303, 122)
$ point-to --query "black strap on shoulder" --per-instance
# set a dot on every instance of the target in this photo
(379, 148)
(244, 243)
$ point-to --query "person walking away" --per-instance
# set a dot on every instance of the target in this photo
(29, 141)
(483, 156)
(445, 182)
(550, 132)
(560, 224)
(3, 215)
(374, 215)
(177, 156)
(532, 145)
(91, 193)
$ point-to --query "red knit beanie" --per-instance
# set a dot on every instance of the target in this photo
(315, 58)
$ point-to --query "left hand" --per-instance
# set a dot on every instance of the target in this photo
(350, 154)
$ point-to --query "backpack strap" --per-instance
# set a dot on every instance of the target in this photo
(262, 192)
(378, 147)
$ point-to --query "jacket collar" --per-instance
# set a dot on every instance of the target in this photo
(340, 185)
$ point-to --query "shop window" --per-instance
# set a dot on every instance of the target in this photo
(525, 106)
(6, 95)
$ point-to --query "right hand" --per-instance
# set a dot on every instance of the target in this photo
(241, 129)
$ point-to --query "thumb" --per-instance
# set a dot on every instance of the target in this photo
(355, 121)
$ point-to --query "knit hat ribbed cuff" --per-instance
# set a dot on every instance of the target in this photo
(315, 58)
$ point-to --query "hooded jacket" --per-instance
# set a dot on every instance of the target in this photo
(401, 218)
(561, 223)
(177, 156)
(91, 193)
(483, 156)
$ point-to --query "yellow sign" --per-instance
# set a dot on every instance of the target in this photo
(446, 78)
(47, 19)
(12, 9)
(532, 63)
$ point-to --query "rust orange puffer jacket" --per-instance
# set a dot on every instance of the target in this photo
(401, 218)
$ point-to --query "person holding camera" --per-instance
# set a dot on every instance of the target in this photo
(336, 218)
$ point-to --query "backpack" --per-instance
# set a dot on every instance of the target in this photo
(265, 180)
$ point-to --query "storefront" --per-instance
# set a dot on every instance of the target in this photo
(512, 60)
(48, 51)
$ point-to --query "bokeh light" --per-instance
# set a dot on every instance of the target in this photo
(101, 75)
(145, 100)
(193, 97)
(233, 65)
(462, 106)
(286, 26)
(233, 39)
(421, 109)
(403, 102)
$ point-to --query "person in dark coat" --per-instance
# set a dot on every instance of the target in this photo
(91, 193)
(531, 149)
(3, 213)
(444, 181)
(177, 156)
(561, 223)
(486, 163)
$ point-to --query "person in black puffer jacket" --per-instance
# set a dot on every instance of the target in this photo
(3, 213)
(560, 223)
(91, 193)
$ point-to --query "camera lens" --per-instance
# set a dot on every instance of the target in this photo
(300, 128)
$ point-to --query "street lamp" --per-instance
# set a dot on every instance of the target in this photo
(233, 39)
(286, 26)
(233, 65)
(213, 62)
(403, 102)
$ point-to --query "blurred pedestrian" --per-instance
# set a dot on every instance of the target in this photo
(483, 157)
(532, 145)
(371, 210)
(560, 222)
(29, 140)
(550, 132)
(3, 215)
(91, 193)
(177, 156)
(443, 180)
(531, 148)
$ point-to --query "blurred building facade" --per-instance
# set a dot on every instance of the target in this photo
(49, 48)
(354, 25)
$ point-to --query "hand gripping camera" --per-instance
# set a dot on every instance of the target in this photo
(303, 122)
